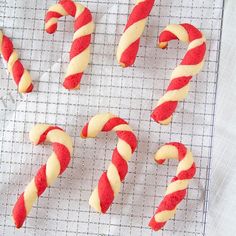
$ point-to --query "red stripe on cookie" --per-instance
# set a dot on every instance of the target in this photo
(69, 6)
(63, 155)
(17, 71)
(139, 12)
(129, 138)
(105, 192)
(41, 180)
(7, 47)
(52, 14)
(187, 174)
(84, 18)
(171, 200)
(179, 83)
(192, 31)
(72, 81)
(195, 55)
(84, 132)
(112, 123)
(182, 150)
(167, 36)
(79, 45)
(129, 54)
(120, 164)
(44, 134)
(164, 111)
(19, 211)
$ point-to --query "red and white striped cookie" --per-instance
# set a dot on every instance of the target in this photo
(110, 181)
(191, 65)
(80, 49)
(177, 189)
(20, 75)
(129, 42)
(48, 173)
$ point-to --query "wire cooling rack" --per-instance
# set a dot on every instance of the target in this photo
(130, 93)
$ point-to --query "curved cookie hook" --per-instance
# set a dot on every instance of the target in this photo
(80, 49)
(191, 65)
(177, 189)
(110, 181)
(48, 173)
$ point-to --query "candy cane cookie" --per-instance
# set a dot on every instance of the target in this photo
(80, 49)
(129, 42)
(20, 75)
(191, 65)
(48, 173)
(177, 189)
(109, 183)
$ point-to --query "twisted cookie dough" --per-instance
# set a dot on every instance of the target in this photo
(110, 182)
(129, 42)
(80, 49)
(191, 65)
(177, 189)
(20, 75)
(47, 174)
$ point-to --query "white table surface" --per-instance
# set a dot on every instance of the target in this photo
(222, 204)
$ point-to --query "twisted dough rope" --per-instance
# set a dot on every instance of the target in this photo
(129, 41)
(110, 182)
(177, 189)
(191, 65)
(80, 49)
(47, 174)
(20, 75)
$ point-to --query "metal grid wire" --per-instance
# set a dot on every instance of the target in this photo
(130, 93)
